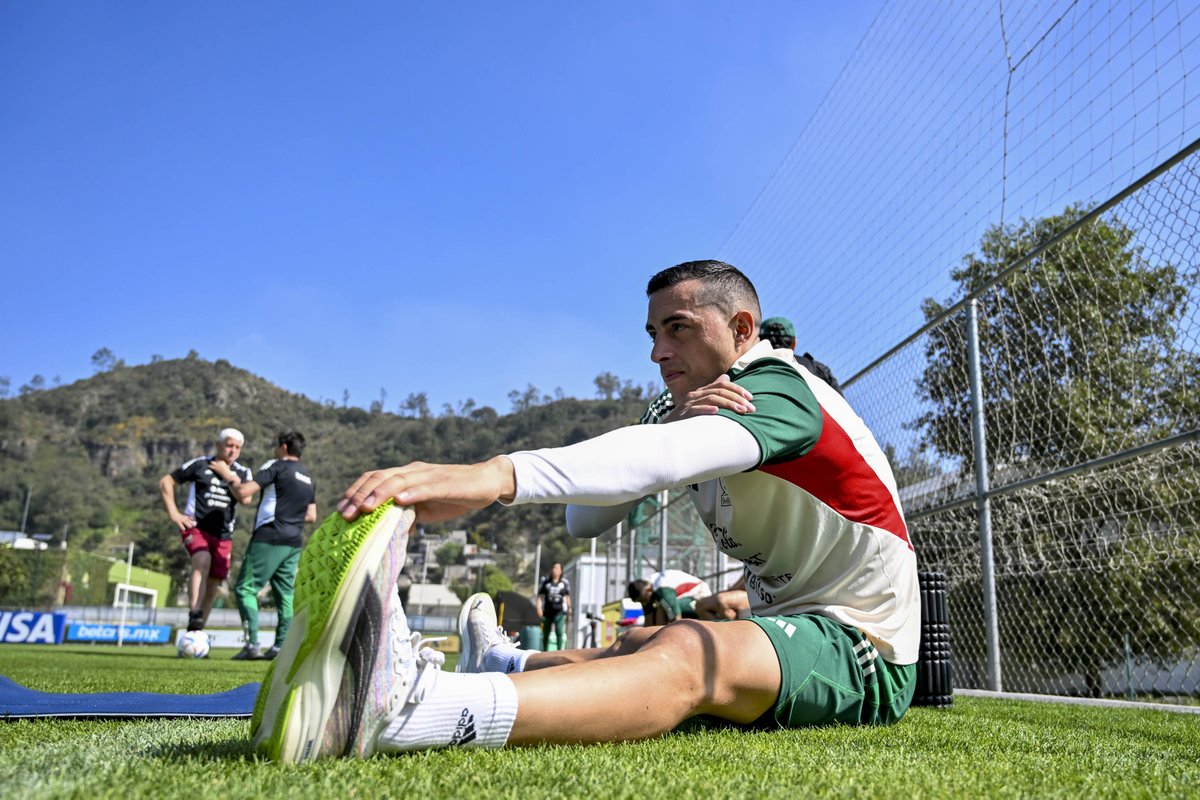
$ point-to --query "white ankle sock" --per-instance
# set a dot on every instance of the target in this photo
(506, 659)
(461, 710)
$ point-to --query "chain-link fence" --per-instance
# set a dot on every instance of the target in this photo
(1042, 419)
(1053, 415)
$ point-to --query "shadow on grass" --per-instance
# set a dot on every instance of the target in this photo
(230, 750)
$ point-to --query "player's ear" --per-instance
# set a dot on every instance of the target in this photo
(744, 328)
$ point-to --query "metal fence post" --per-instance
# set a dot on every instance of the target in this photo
(983, 504)
(662, 531)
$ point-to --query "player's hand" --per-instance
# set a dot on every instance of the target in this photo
(722, 605)
(707, 400)
(438, 492)
(221, 469)
(183, 521)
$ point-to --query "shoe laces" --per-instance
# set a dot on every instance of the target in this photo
(429, 664)
(415, 675)
(494, 636)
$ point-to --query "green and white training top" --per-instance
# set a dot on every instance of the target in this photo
(798, 490)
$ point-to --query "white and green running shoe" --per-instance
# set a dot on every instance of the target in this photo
(479, 632)
(327, 692)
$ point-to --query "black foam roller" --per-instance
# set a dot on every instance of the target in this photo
(935, 684)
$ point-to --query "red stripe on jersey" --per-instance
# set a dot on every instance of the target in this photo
(835, 473)
(684, 587)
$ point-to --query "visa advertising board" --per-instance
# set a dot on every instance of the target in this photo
(32, 627)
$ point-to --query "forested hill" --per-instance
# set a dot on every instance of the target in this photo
(92, 452)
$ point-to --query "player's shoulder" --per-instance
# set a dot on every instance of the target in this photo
(772, 363)
(774, 372)
(659, 407)
(194, 464)
(241, 470)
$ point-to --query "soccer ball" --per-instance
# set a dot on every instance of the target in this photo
(193, 644)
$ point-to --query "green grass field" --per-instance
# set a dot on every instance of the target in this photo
(977, 748)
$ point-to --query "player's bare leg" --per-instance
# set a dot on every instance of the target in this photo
(631, 642)
(212, 588)
(201, 564)
(200, 587)
(487, 648)
(728, 670)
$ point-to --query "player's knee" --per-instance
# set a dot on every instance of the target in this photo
(690, 648)
(631, 642)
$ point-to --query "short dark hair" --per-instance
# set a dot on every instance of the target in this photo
(293, 441)
(724, 285)
(636, 588)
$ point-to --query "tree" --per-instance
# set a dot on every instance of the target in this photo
(416, 405)
(1080, 358)
(103, 360)
(607, 385)
(494, 580)
(450, 553)
(5, 384)
(377, 406)
(527, 399)
(14, 580)
(36, 384)
(1090, 322)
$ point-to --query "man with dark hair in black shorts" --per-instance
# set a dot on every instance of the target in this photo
(288, 502)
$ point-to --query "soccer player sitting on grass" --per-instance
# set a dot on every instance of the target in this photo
(668, 595)
(785, 475)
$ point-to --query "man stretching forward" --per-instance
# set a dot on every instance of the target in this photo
(787, 479)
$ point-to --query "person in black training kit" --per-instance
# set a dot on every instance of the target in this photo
(288, 502)
(553, 605)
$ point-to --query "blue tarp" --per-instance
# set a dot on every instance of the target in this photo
(19, 702)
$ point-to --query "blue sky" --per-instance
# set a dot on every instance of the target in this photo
(457, 199)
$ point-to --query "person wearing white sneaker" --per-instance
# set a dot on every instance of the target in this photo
(788, 480)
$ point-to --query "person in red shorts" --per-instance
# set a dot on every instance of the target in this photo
(206, 523)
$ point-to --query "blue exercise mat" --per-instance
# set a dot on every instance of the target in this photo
(18, 702)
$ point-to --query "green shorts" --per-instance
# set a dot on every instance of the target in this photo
(687, 607)
(832, 673)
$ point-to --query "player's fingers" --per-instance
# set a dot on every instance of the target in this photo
(363, 494)
(725, 382)
(725, 398)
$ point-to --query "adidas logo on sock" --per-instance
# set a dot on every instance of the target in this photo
(512, 666)
(464, 731)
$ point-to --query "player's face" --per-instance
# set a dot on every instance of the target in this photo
(694, 343)
(229, 450)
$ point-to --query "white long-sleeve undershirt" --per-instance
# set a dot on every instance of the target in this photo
(603, 477)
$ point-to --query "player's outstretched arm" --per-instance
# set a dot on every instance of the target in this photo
(618, 467)
(437, 491)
